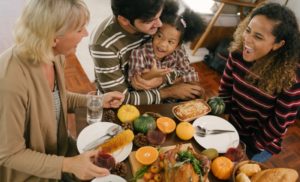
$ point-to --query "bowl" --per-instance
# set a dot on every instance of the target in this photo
(238, 165)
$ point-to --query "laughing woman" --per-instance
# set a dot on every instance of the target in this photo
(34, 143)
(260, 84)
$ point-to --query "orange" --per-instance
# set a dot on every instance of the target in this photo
(222, 167)
(185, 130)
(146, 155)
(166, 124)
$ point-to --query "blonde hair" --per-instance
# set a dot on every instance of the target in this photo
(41, 21)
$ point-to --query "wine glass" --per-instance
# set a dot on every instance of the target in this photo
(105, 160)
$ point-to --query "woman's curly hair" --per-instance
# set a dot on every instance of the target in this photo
(277, 70)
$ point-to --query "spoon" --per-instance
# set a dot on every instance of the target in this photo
(110, 132)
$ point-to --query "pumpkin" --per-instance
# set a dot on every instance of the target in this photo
(222, 168)
(128, 113)
(144, 123)
(217, 105)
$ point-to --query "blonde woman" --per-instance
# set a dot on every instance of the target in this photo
(34, 143)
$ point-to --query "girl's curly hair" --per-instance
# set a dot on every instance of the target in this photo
(189, 23)
(277, 70)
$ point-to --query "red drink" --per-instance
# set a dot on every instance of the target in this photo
(105, 160)
(236, 154)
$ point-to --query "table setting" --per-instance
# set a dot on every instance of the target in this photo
(151, 138)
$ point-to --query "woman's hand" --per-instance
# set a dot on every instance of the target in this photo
(113, 99)
(82, 166)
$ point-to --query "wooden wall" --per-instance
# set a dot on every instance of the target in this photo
(215, 36)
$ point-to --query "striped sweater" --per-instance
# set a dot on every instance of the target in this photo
(261, 117)
(110, 50)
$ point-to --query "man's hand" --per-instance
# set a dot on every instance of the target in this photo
(82, 166)
(112, 99)
(139, 83)
(183, 91)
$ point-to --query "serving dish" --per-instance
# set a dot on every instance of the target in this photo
(190, 110)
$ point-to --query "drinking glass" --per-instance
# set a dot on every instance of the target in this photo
(105, 160)
(94, 107)
(238, 153)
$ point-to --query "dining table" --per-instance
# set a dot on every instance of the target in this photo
(162, 109)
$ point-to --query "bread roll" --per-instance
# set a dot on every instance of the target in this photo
(242, 177)
(249, 169)
(276, 175)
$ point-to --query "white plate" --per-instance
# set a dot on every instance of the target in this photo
(109, 178)
(96, 130)
(222, 141)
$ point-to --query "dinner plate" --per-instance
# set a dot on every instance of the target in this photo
(221, 142)
(109, 178)
(95, 130)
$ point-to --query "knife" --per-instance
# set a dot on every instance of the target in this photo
(110, 132)
(95, 143)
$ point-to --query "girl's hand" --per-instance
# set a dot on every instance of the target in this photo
(154, 72)
(112, 99)
(82, 166)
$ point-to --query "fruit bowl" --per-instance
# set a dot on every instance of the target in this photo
(246, 163)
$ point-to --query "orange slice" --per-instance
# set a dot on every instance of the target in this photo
(166, 124)
(146, 155)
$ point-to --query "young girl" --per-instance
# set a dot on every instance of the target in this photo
(260, 84)
(164, 55)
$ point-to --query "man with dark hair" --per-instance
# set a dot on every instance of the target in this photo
(110, 47)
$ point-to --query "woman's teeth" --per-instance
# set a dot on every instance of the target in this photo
(248, 49)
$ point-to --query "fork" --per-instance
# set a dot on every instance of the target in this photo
(203, 131)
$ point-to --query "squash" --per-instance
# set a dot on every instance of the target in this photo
(128, 113)
(222, 168)
(217, 105)
(144, 123)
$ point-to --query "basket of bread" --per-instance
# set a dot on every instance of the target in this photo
(251, 171)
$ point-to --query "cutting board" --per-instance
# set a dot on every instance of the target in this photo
(135, 165)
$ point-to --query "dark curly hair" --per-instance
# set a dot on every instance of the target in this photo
(189, 23)
(277, 70)
(136, 9)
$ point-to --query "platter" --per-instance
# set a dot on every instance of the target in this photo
(221, 142)
(190, 110)
(109, 178)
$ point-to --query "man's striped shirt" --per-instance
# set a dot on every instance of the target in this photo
(110, 53)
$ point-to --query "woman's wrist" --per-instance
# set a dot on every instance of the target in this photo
(66, 165)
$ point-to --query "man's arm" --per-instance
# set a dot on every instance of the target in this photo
(109, 72)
